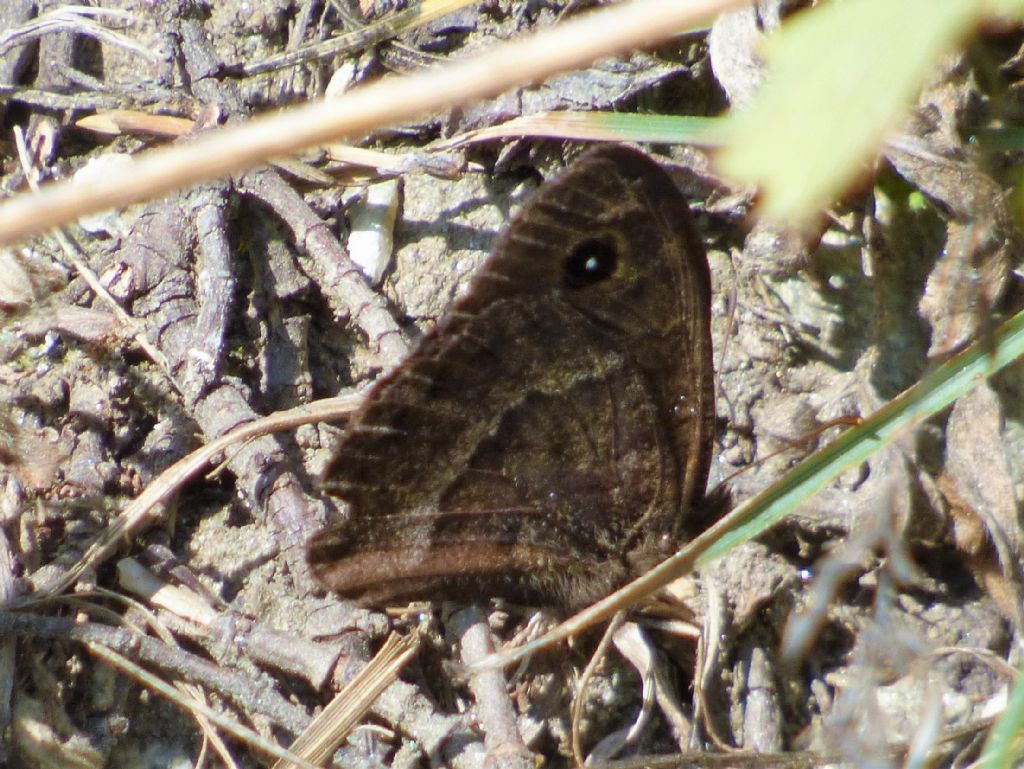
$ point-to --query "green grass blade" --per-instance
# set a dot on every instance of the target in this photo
(602, 126)
(1004, 748)
(933, 393)
(937, 391)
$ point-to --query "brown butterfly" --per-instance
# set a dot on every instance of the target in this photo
(550, 436)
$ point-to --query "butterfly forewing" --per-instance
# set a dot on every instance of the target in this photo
(556, 426)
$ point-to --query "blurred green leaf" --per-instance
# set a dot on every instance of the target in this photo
(840, 76)
(1003, 748)
(1013, 9)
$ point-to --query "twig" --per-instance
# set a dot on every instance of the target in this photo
(505, 747)
(344, 285)
(8, 585)
(75, 19)
(140, 513)
(248, 693)
(126, 666)
(191, 616)
(355, 41)
(73, 254)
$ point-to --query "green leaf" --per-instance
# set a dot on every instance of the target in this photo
(1003, 748)
(840, 76)
(1011, 9)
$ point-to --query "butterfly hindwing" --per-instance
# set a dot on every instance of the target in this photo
(556, 423)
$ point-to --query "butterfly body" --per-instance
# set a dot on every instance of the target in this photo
(546, 439)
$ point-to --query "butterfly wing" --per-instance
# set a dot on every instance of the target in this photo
(556, 424)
